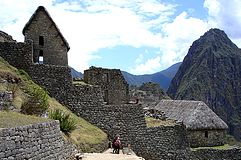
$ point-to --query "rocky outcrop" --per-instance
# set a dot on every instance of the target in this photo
(211, 73)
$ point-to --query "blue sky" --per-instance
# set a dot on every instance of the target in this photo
(138, 36)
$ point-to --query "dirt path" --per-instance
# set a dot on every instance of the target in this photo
(108, 155)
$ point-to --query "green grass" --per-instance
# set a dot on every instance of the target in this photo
(223, 147)
(80, 82)
(152, 122)
(14, 119)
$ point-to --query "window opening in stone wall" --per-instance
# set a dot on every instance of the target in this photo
(106, 96)
(206, 134)
(41, 40)
(41, 57)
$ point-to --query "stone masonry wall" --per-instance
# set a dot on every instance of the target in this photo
(54, 50)
(214, 138)
(37, 141)
(112, 83)
(18, 55)
(217, 154)
(4, 37)
(163, 142)
(55, 79)
(128, 121)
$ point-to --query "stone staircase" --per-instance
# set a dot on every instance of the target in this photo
(108, 155)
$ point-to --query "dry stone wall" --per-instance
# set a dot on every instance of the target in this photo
(112, 83)
(127, 120)
(4, 37)
(53, 48)
(37, 141)
(217, 154)
(17, 54)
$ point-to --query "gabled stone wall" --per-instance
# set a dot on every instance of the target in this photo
(53, 48)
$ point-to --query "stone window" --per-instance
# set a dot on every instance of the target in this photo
(41, 57)
(41, 40)
(206, 134)
(106, 96)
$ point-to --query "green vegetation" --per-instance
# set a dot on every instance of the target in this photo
(80, 82)
(67, 124)
(37, 101)
(85, 136)
(152, 122)
(14, 119)
(223, 147)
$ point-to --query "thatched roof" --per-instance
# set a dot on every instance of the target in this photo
(196, 115)
(41, 8)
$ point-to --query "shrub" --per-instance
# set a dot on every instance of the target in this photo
(37, 101)
(67, 124)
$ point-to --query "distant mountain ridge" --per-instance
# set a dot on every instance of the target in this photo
(75, 74)
(211, 72)
(163, 78)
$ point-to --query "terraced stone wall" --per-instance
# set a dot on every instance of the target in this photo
(36, 141)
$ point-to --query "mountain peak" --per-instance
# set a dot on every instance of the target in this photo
(214, 41)
(210, 72)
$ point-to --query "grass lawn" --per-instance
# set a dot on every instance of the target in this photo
(223, 147)
(152, 122)
(14, 119)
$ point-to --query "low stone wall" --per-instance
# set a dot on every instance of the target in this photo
(36, 141)
(217, 154)
(163, 142)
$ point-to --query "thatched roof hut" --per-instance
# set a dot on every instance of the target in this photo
(196, 115)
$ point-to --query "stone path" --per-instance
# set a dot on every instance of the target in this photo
(108, 155)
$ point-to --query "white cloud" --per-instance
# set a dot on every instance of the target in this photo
(100, 24)
(226, 15)
(179, 36)
(92, 25)
(147, 67)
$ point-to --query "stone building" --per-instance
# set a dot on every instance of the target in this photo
(49, 45)
(112, 82)
(204, 127)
